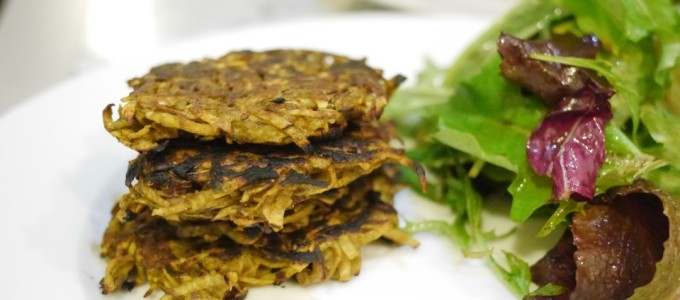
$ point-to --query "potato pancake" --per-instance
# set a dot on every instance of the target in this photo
(274, 97)
(250, 184)
(150, 249)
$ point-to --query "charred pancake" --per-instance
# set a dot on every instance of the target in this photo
(274, 97)
(250, 184)
(149, 249)
(301, 216)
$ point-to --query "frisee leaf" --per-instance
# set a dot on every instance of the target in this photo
(550, 289)
(517, 276)
(425, 93)
(473, 207)
(625, 161)
(560, 216)
(457, 236)
(622, 170)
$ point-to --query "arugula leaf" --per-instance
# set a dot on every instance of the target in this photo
(475, 115)
(529, 192)
(470, 143)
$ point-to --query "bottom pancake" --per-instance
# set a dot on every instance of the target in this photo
(203, 266)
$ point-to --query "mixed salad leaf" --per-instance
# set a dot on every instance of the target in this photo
(578, 98)
(568, 143)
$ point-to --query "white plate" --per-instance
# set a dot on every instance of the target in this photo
(61, 172)
(481, 7)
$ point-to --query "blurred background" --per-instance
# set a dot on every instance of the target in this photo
(43, 42)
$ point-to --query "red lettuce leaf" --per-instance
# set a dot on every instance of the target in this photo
(568, 145)
(615, 247)
(550, 81)
(557, 267)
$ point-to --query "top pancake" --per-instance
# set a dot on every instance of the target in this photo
(275, 97)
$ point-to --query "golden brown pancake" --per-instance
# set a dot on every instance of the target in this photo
(275, 97)
(150, 249)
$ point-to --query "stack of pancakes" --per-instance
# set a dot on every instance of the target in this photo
(254, 168)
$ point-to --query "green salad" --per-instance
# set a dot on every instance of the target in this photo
(570, 111)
